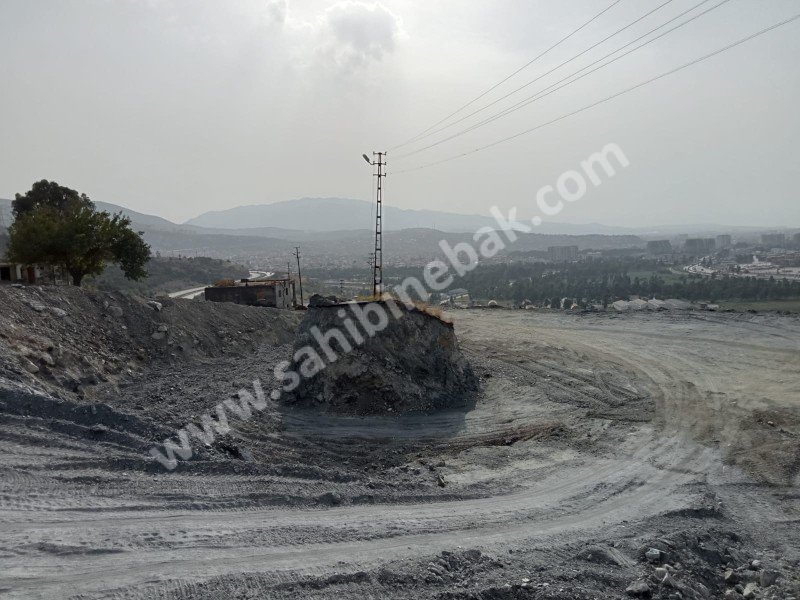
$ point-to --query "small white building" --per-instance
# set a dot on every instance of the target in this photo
(17, 273)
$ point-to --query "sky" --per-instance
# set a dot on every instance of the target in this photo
(177, 107)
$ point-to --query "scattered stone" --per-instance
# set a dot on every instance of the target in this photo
(769, 578)
(37, 306)
(158, 335)
(440, 480)
(750, 590)
(731, 577)
(156, 306)
(162, 328)
(47, 359)
(330, 498)
(755, 564)
(653, 555)
(661, 573)
(638, 589)
(59, 312)
(115, 311)
(98, 429)
(668, 581)
(472, 554)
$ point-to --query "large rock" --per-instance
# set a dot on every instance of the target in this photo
(411, 364)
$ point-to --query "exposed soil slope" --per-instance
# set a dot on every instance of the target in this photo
(649, 453)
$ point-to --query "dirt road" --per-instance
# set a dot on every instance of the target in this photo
(595, 438)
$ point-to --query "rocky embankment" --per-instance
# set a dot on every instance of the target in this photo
(412, 365)
(80, 344)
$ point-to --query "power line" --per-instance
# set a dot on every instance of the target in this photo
(609, 98)
(552, 88)
(543, 75)
(502, 81)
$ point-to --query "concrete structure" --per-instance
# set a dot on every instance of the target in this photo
(699, 246)
(773, 240)
(17, 273)
(562, 253)
(659, 247)
(723, 241)
(276, 293)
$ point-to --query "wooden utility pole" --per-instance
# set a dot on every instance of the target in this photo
(289, 278)
(299, 276)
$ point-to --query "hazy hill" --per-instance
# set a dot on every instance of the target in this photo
(142, 220)
(291, 219)
(330, 214)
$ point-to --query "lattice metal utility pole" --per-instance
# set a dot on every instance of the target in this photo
(377, 265)
(299, 276)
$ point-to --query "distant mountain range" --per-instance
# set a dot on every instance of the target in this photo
(340, 214)
(338, 218)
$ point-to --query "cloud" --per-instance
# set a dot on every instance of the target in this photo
(353, 34)
(276, 11)
(341, 39)
(363, 31)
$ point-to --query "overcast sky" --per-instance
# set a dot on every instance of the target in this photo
(175, 107)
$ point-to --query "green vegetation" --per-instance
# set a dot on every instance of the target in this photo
(171, 275)
(54, 225)
(611, 279)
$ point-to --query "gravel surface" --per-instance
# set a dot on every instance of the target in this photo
(606, 456)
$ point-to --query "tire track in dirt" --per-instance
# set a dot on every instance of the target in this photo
(641, 471)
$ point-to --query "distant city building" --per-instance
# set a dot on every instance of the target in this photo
(562, 253)
(796, 240)
(723, 241)
(659, 247)
(698, 246)
(773, 240)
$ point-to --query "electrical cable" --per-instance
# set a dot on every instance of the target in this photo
(545, 74)
(544, 93)
(502, 81)
(609, 98)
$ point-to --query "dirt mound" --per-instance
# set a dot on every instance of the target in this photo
(68, 341)
(410, 365)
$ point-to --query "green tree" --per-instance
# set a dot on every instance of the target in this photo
(48, 194)
(57, 226)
